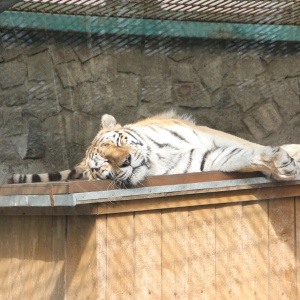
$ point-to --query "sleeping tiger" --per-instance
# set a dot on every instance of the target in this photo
(171, 144)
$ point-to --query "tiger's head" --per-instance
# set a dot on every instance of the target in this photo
(116, 153)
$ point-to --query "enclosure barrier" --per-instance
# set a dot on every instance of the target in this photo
(192, 236)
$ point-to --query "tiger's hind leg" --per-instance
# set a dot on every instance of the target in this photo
(270, 160)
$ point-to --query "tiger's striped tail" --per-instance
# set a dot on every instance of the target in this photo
(45, 177)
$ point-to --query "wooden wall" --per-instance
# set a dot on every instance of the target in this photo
(243, 250)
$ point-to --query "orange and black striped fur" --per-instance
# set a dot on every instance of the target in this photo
(171, 144)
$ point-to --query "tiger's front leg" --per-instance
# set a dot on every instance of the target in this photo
(270, 160)
(293, 150)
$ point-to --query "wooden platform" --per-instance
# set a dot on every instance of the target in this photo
(207, 242)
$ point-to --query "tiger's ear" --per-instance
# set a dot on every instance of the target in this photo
(108, 122)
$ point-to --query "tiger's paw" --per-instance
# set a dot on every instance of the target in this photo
(293, 150)
(281, 165)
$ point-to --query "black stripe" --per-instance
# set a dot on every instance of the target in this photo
(204, 159)
(159, 145)
(222, 151)
(152, 127)
(55, 176)
(132, 133)
(36, 178)
(177, 135)
(24, 179)
(146, 136)
(233, 152)
(156, 143)
(190, 161)
(72, 174)
(195, 133)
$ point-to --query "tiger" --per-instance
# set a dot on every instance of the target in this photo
(171, 144)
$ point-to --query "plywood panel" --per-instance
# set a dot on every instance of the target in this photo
(238, 251)
(168, 246)
(120, 256)
(101, 249)
(49, 258)
(181, 253)
(254, 241)
(32, 257)
(282, 279)
(25, 237)
(297, 245)
(8, 270)
(58, 252)
(81, 258)
(201, 256)
(147, 252)
(228, 251)
(188, 253)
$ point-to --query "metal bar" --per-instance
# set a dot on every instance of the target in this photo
(167, 28)
(25, 200)
(156, 190)
(64, 200)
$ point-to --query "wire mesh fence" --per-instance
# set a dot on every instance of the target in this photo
(54, 88)
(234, 11)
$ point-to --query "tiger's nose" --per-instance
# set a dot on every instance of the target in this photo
(126, 162)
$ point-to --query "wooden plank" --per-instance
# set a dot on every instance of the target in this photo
(81, 258)
(202, 255)
(168, 244)
(101, 252)
(147, 255)
(48, 257)
(120, 256)
(21, 277)
(188, 253)
(282, 279)
(34, 265)
(57, 255)
(34, 188)
(254, 263)
(7, 250)
(80, 186)
(88, 209)
(297, 250)
(228, 251)
(181, 253)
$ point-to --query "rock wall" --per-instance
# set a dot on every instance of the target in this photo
(54, 87)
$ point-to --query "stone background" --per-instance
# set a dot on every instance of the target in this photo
(54, 87)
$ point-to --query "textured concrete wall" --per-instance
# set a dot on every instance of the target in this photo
(55, 87)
